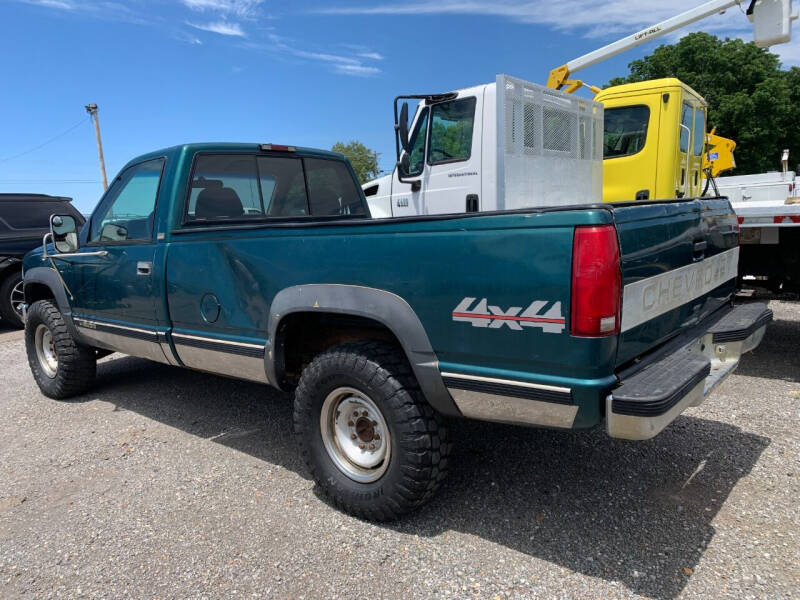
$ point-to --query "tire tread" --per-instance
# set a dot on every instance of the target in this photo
(421, 434)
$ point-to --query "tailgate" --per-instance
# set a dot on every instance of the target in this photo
(679, 262)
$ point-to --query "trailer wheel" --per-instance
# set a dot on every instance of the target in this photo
(61, 367)
(11, 297)
(372, 442)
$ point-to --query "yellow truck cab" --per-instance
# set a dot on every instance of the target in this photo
(654, 139)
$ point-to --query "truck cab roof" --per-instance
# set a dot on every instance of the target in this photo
(653, 85)
(194, 147)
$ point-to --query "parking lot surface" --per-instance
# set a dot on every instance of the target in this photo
(165, 483)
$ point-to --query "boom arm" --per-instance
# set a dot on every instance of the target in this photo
(559, 77)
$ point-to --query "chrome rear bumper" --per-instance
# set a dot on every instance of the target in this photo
(644, 404)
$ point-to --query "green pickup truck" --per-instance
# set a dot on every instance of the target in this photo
(262, 262)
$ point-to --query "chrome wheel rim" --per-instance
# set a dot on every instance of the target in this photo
(46, 351)
(355, 434)
(17, 299)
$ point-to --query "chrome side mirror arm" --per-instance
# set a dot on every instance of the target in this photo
(46, 256)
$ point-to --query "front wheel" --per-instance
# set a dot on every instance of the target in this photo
(372, 442)
(61, 367)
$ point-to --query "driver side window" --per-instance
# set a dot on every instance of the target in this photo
(127, 210)
(451, 131)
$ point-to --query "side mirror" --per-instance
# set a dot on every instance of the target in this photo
(402, 127)
(404, 164)
(65, 233)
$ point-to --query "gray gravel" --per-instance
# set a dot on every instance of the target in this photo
(165, 483)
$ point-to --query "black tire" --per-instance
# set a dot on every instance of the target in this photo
(7, 288)
(76, 365)
(419, 447)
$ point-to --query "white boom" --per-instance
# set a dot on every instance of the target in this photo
(677, 22)
(772, 25)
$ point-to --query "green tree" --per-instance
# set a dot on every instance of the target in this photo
(750, 98)
(364, 160)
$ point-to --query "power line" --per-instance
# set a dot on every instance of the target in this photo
(43, 144)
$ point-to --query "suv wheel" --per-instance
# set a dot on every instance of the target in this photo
(61, 367)
(11, 298)
(372, 442)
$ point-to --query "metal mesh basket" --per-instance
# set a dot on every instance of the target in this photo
(550, 146)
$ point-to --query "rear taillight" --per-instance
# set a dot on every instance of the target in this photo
(596, 282)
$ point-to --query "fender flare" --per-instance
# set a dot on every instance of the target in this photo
(48, 277)
(386, 308)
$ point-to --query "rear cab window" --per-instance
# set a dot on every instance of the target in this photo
(699, 134)
(248, 187)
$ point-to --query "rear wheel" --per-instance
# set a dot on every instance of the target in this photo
(372, 442)
(61, 367)
(12, 296)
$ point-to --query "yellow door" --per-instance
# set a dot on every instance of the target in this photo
(630, 147)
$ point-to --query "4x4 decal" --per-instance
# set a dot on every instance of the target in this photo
(493, 317)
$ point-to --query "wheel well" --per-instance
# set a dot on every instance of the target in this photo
(303, 335)
(37, 291)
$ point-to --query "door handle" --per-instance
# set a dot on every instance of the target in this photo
(144, 268)
(700, 249)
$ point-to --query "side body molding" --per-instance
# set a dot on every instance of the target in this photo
(48, 277)
(379, 305)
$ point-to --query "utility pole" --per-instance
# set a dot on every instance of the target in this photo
(92, 110)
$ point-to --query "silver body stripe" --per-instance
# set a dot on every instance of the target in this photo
(215, 340)
(89, 323)
(652, 297)
(538, 386)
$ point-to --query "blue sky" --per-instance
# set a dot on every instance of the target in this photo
(307, 72)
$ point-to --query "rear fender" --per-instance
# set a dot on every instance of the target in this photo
(384, 307)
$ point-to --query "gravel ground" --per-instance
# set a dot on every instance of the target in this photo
(165, 483)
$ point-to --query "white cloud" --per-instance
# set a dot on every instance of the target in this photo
(245, 9)
(602, 19)
(564, 15)
(220, 27)
(60, 4)
(356, 70)
(370, 55)
(789, 53)
(344, 65)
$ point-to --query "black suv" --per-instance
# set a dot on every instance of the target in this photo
(24, 219)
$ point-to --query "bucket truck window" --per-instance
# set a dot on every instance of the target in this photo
(686, 126)
(417, 144)
(451, 131)
(699, 131)
(625, 130)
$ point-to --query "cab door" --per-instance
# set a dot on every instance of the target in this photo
(689, 168)
(116, 297)
(630, 147)
(445, 157)
(452, 179)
